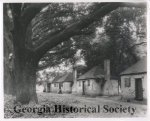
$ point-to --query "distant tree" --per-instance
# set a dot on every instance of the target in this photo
(122, 29)
(122, 32)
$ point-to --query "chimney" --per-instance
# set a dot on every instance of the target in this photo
(107, 69)
(74, 74)
(74, 87)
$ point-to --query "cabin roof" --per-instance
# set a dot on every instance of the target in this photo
(68, 77)
(56, 78)
(95, 72)
(137, 68)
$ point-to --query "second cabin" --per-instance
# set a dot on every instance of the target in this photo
(97, 81)
(62, 84)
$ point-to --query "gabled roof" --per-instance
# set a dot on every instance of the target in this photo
(56, 78)
(68, 77)
(95, 72)
(137, 68)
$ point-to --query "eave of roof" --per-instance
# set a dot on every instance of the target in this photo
(65, 78)
(133, 73)
(137, 68)
(95, 72)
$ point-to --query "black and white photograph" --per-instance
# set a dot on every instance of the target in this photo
(74, 59)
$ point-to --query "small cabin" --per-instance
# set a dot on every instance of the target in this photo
(63, 84)
(134, 81)
(97, 81)
(55, 86)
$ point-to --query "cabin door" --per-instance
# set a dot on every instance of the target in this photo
(60, 86)
(83, 87)
(138, 89)
(48, 87)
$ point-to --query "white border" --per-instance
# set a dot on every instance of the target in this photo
(35, 1)
(58, 119)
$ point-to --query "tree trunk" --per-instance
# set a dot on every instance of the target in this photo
(25, 61)
(25, 74)
(9, 82)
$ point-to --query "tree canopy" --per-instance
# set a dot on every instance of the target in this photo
(117, 37)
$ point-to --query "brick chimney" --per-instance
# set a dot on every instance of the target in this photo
(75, 75)
(107, 69)
(74, 87)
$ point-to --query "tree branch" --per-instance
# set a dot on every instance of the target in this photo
(74, 29)
(84, 32)
(48, 64)
(141, 43)
(31, 11)
(44, 66)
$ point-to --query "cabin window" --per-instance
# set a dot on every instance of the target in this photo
(127, 82)
(55, 85)
(88, 82)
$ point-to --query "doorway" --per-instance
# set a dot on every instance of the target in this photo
(138, 89)
(83, 87)
(60, 88)
(48, 87)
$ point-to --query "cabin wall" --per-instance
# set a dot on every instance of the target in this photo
(129, 92)
(97, 87)
(66, 87)
(39, 88)
(91, 87)
(94, 88)
(79, 85)
(111, 87)
(55, 87)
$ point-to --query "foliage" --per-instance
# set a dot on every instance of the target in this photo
(121, 31)
(118, 40)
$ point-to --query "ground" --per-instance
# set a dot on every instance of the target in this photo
(70, 100)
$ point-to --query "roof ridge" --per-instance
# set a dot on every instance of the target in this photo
(92, 73)
(65, 77)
